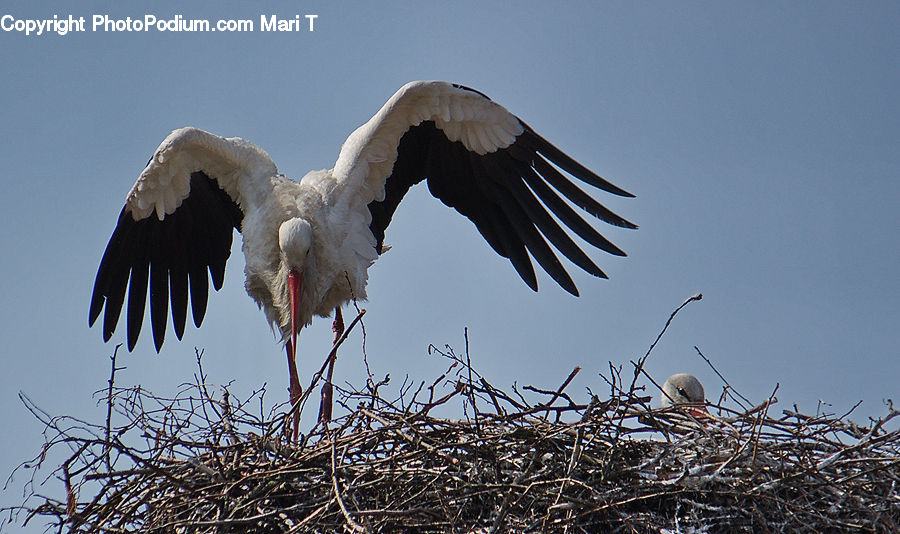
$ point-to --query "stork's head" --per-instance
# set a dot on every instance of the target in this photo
(682, 388)
(295, 241)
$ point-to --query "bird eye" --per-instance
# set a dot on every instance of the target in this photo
(683, 393)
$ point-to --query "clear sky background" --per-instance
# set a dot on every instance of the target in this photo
(762, 141)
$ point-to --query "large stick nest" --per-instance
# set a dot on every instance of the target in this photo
(524, 460)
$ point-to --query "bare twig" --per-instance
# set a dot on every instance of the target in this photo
(354, 526)
(730, 387)
(109, 403)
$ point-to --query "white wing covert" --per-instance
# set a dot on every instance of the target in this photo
(239, 167)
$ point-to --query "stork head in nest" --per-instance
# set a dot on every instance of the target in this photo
(682, 388)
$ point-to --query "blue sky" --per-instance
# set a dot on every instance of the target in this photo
(762, 142)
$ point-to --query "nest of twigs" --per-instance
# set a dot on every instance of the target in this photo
(523, 460)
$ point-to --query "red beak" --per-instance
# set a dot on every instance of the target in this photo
(295, 285)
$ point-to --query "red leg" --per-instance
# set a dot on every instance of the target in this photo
(328, 389)
(296, 390)
(338, 325)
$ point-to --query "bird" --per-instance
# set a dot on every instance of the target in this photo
(682, 388)
(308, 244)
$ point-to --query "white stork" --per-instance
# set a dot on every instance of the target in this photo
(308, 245)
(682, 388)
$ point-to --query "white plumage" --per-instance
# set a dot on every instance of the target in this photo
(324, 232)
(682, 388)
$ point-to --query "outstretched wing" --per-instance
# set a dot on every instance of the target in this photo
(482, 160)
(176, 225)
